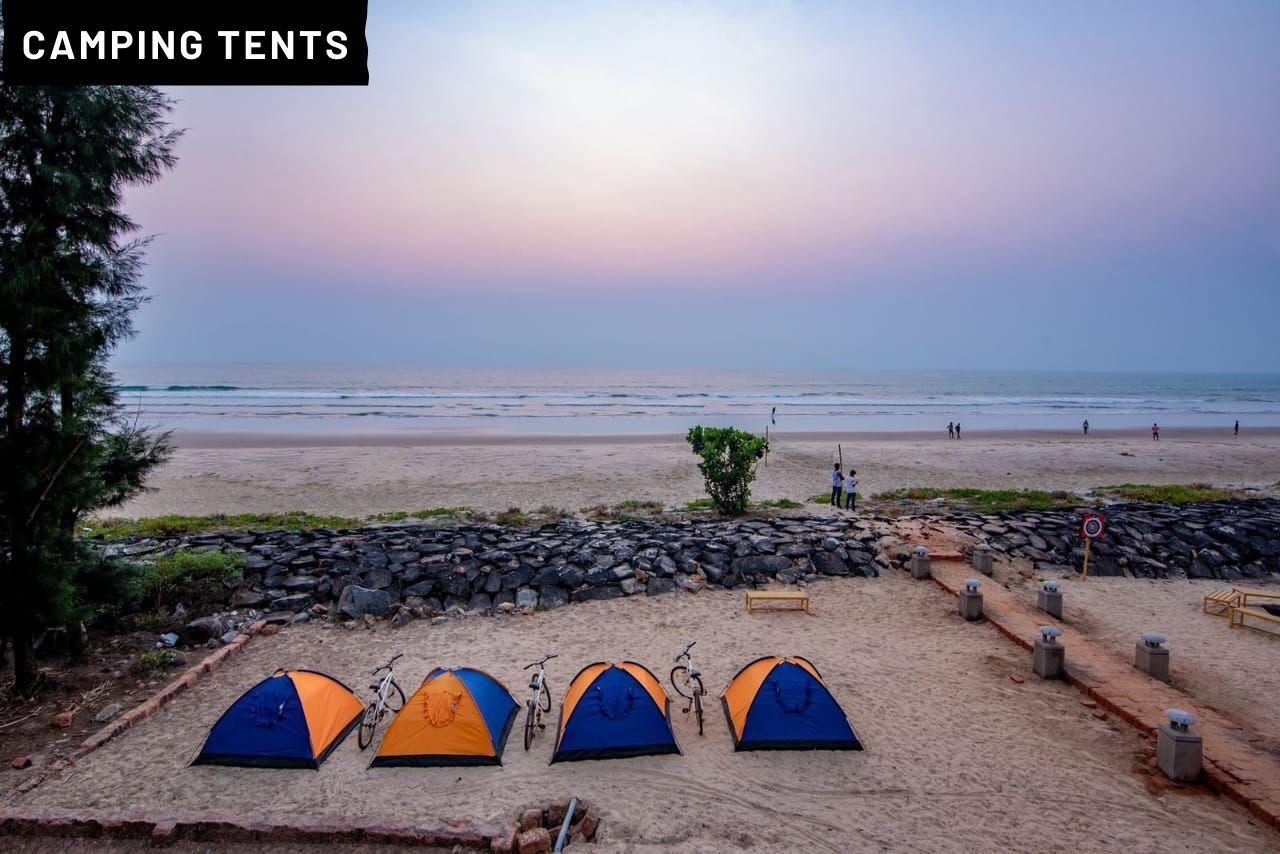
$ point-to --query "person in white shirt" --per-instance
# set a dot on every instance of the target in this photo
(837, 483)
(850, 489)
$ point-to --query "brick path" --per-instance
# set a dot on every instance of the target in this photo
(1231, 763)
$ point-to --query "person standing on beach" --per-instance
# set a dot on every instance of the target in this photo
(1155, 431)
(957, 429)
(951, 430)
(1237, 427)
(850, 489)
(836, 483)
(1086, 426)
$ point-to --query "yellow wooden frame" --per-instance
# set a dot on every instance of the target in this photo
(1247, 592)
(1238, 615)
(1221, 601)
(783, 597)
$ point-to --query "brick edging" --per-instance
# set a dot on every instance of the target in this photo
(221, 827)
(152, 704)
(1218, 779)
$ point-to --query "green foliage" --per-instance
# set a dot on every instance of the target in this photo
(157, 659)
(632, 508)
(184, 570)
(699, 504)
(987, 499)
(512, 517)
(780, 504)
(728, 464)
(550, 511)
(1170, 493)
(176, 526)
(819, 498)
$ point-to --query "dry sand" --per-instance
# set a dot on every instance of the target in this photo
(959, 757)
(1234, 670)
(357, 476)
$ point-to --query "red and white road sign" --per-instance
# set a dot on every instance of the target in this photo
(1093, 526)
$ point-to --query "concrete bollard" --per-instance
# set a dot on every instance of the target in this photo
(1179, 751)
(920, 567)
(982, 558)
(1049, 599)
(971, 600)
(1152, 658)
(1048, 657)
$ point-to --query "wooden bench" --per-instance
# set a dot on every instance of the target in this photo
(1247, 593)
(1238, 616)
(787, 600)
(1220, 602)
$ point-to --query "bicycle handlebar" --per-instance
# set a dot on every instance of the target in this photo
(387, 666)
(686, 651)
(544, 660)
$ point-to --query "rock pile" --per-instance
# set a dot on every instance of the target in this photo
(1226, 540)
(376, 571)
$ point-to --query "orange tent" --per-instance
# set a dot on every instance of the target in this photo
(456, 717)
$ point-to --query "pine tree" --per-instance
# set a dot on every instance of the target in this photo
(69, 270)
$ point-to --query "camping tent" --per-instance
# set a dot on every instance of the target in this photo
(782, 704)
(614, 710)
(292, 719)
(456, 717)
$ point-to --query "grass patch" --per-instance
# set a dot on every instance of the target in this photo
(820, 498)
(632, 508)
(550, 511)
(780, 504)
(512, 517)
(427, 513)
(700, 504)
(183, 571)
(175, 526)
(987, 499)
(157, 659)
(1172, 493)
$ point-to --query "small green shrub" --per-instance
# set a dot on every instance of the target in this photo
(700, 504)
(157, 659)
(183, 569)
(820, 498)
(512, 517)
(780, 504)
(728, 464)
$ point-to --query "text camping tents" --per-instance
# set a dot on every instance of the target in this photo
(456, 717)
(782, 704)
(611, 711)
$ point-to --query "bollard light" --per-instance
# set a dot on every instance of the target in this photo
(971, 585)
(1153, 640)
(1180, 720)
(921, 551)
(1051, 586)
(1050, 634)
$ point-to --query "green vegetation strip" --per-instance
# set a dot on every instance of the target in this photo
(987, 499)
(1170, 493)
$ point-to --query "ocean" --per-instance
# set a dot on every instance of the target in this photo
(371, 399)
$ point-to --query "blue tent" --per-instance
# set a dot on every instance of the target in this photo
(782, 704)
(611, 711)
(291, 719)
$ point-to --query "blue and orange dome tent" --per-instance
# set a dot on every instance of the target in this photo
(611, 711)
(456, 717)
(291, 719)
(777, 703)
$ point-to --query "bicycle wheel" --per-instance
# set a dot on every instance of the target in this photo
(546, 697)
(528, 724)
(680, 675)
(698, 691)
(395, 697)
(368, 724)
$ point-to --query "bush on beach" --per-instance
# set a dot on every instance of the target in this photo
(728, 464)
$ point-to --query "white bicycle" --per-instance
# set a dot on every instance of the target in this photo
(687, 681)
(388, 697)
(539, 702)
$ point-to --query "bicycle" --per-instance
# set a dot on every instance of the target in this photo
(539, 702)
(687, 681)
(388, 697)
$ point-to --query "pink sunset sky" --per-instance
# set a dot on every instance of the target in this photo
(599, 157)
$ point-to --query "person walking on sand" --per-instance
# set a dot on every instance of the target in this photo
(1086, 426)
(850, 489)
(836, 483)
(951, 430)
(1155, 431)
(1237, 427)
(957, 429)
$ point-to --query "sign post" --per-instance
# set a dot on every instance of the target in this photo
(1092, 527)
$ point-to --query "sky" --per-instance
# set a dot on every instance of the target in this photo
(791, 185)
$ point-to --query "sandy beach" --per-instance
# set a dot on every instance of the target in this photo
(999, 765)
(356, 475)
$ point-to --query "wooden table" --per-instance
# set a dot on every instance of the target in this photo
(787, 600)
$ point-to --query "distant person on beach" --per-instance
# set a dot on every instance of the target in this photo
(957, 429)
(837, 482)
(951, 430)
(850, 489)
(1155, 431)
(1237, 427)
(773, 417)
